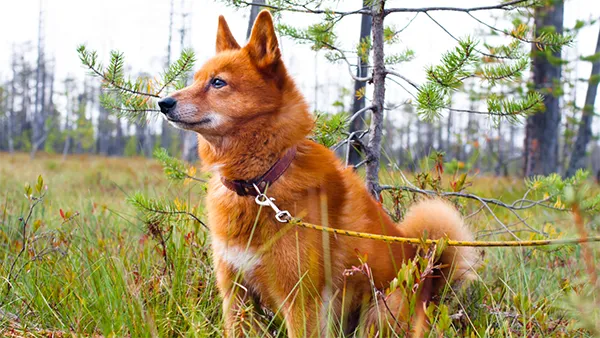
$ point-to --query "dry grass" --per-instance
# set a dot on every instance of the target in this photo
(99, 273)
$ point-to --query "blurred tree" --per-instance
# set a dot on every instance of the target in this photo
(10, 116)
(167, 132)
(254, 10)
(69, 88)
(466, 61)
(38, 130)
(541, 131)
(362, 69)
(584, 133)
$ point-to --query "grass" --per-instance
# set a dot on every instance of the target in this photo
(92, 267)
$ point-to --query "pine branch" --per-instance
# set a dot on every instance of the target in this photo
(499, 72)
(410, 82)
(532, 103)
(156, 208)
(89, 60)
(134, 98)
(507, 6)
(108, 102)
(329, 128)
(302, 9)
(552, 40)
(174, 168)
(458, 40)
(178, 70)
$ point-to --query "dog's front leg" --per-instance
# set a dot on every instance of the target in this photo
(238, 310)
(301, 317)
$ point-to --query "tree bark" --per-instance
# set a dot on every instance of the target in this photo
(118, 144)
(189, 138)
(358, 102)
(38, 134)
(104, 130)
(449, 131)
(584, 134)
(24, 120)
(500, 151)
(11, 107)
(68, 109)
(254, 10)
(166, 131)
(541, 140)
(375, 130)
(190, 146)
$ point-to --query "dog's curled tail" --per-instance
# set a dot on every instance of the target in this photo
(439, 219)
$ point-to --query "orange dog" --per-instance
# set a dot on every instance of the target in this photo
(253, 124)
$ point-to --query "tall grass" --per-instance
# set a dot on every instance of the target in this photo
(92, 267)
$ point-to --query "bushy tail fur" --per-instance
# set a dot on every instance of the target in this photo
(440, 219)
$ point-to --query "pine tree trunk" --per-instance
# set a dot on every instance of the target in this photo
(409, 147)
(440, 140)
(166, 129)
(118, 147)
(11, 108)
(51, 114)
(67, 144)
(375, 130)
(144, 139)
(25, 123)
(419, 145)
(37, 133)
(541, 140)
(449, 126)
(3, 118)
(190, 146)
(584, 134)
(358, 102)
(430, 138)
(103, 131)
(500, 151)
(254, 10)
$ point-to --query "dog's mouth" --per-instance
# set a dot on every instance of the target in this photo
(187, 124)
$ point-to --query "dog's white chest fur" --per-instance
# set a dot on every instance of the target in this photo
(238, 257)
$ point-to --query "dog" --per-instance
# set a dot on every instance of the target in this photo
(252, 124)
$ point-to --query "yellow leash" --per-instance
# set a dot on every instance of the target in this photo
(394, 239)
(283, 216)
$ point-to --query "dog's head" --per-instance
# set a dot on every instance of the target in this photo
(235, 86)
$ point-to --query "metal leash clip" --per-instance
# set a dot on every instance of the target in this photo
(283, 216)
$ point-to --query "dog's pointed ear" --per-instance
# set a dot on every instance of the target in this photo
(225, 39)
(263, 46)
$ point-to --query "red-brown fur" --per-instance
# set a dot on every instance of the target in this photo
(252, 121)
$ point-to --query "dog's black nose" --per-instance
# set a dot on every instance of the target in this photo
(166, 104)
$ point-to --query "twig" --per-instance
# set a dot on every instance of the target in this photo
(164, 212)
(358, 113)
(179, 72)
(361, 163)
(485, 203)
(117, 86)
(503, 6)
(305, 9)
(494, 201)
(36, 201)
(349, 138)
(456, 39)
(511, 34)
(588, 257)
(410, 82)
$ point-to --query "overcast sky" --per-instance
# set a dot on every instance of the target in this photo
(140, 28)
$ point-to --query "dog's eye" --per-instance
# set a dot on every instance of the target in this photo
(217, 83)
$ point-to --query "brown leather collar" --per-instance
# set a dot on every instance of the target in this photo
(245, 188)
